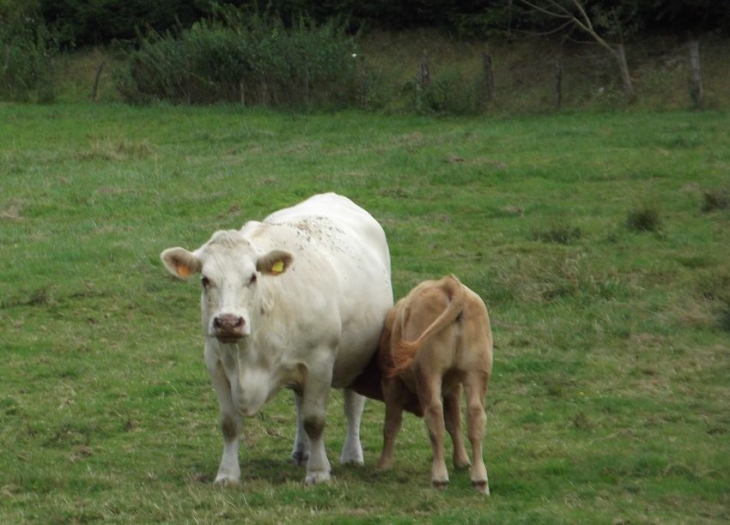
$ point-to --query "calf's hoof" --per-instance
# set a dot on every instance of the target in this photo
(481, 486)
(462, 464)
(384, 465)
(440, 484)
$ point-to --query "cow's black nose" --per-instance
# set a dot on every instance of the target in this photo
(229, 326)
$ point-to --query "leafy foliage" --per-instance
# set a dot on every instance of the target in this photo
(95, 22)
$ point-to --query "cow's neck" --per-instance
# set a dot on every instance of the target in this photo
(252, 374)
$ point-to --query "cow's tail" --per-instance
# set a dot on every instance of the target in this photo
(404, 352)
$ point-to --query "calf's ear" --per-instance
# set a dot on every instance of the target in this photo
(275, 262)
(180, 262)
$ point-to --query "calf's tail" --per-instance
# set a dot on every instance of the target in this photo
(404, 352)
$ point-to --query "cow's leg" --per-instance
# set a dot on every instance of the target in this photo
(300, 452)
(314, 406)
(452, 417)
(229, 470)
(354, 406)
(429, 392)
(392, 395)
(475, 387)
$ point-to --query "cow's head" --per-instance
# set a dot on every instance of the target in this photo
(231, 272)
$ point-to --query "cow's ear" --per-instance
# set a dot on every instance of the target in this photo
(180, 262)
(275, 262)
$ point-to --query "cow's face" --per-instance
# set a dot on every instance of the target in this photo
(231, 270)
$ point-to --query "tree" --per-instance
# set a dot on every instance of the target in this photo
(573, 13)
(93, 22)
(13, 9)
(689, 18)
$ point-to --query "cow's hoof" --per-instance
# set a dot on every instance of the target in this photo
(352, 461)
(225, 481)
(481, 486)
(440, 484)
(314, 478)
(300, 457)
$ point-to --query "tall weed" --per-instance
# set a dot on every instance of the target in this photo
(450, 92)
(645, 218)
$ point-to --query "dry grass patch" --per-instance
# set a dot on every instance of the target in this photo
(12, 211)
(117, 150)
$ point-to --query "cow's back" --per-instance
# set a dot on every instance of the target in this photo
(343, 212)
(353, 246)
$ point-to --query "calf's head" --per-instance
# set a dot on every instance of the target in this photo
(231, 272)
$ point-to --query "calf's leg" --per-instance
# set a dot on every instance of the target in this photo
(392, 395)
(429, 392)
(452, 417)
(476, 391)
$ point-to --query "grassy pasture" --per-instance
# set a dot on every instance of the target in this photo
(601, 243)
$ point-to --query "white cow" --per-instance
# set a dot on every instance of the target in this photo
(297, 301)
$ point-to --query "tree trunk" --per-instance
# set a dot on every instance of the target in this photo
(694, 60)
(628, 86)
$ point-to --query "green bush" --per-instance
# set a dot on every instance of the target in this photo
(253, 60)
(26, 62)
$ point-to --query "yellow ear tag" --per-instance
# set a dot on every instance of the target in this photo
(183, 271)
(277, 267)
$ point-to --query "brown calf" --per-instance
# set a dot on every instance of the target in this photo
(435, 340)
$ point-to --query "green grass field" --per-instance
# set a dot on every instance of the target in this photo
(600, 242)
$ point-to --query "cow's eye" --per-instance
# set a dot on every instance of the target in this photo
(252, 280)
(205, 282)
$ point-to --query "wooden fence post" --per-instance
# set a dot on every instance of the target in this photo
(95, 90)
(558, 83)
(694, 60)
(488, 73)
(424, 77)
(363, 82)
(305, 84)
